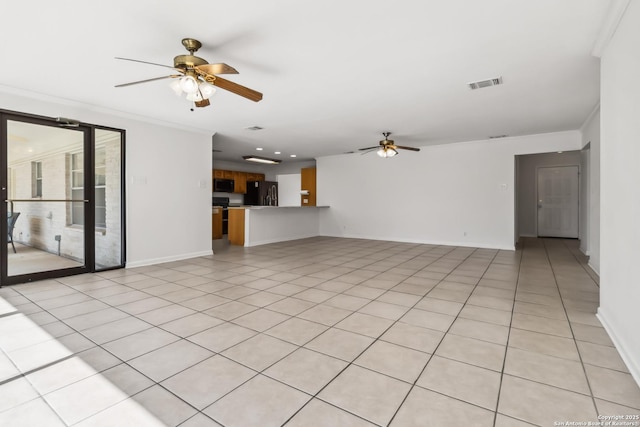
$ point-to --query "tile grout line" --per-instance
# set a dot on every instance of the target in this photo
(506, 349)
(443, 337)
(585, 267)
(575, 341)
(363, 351)
(350, 363)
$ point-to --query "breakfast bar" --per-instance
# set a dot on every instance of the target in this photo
(260, 225)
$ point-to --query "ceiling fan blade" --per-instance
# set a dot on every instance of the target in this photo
(237, 89)
(407, 148)
(221, 68)
(148, 80)
(368, 148)
(150, 63)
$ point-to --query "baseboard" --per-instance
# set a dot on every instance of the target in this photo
(633, 364)
(595, 270)
(278, 240)
(153, 261)
(426, 242)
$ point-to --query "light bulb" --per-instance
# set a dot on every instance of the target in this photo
(391, 152)
(382, 153)
(195, 97)
(207, 90)
(175, 86)
(188, 84)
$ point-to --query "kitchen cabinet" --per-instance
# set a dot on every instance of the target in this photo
(239, 178)
(240, 182)
(255, 176)
(222, 174)
(216, 223)
(236, 226)
(308, 184)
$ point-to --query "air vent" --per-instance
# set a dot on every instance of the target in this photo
(497, 136)
(217, 151)
(485, 83)
(255, 128)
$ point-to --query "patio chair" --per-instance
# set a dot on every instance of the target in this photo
(11, 222)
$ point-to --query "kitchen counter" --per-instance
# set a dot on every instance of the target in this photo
(260, 225)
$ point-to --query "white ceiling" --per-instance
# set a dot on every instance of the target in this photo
(334, 74)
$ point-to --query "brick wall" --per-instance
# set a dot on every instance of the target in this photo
(39, 223)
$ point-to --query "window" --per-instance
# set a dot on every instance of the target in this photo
(36, 179)
(77, 188)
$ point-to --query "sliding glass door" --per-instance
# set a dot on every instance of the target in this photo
(62, 189)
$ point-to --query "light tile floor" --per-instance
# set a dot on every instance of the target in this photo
(317, 332)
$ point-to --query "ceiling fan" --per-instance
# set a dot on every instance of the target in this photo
(387, 147)
(196, 78)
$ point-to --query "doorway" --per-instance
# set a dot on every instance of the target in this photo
(558, 201)
(62, 188)
(526, 189)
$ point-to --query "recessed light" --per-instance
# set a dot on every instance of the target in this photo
(259, 159)
(560, 152)
(276, 152)
(259, 149)
(293, 155)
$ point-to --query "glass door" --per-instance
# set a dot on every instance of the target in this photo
(109, 198)
(62, 193)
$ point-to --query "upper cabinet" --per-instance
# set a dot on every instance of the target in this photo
(240, 179)
(308, 185)
(222, 174)
(240, 182)
(255, 176)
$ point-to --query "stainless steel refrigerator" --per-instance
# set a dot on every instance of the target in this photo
(261, 193)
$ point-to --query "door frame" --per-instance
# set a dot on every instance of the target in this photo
(89, 207)
(538, 198)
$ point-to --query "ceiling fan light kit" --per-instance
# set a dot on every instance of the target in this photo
(387, 147)
(198, 79)
(386, 152)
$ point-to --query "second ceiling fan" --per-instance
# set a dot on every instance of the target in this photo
(387, 147)
(196, 78)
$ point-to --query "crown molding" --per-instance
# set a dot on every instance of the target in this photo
(609, 26)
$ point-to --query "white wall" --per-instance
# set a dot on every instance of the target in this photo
(620, 197)
(433, 196)
(585, 185)
(591, 136)
(269, 224)
(168, 189)
(527, 188)
(289, 189)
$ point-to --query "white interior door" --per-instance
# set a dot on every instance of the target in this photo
(558, 193)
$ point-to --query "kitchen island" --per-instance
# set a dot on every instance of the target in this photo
(260, 225)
